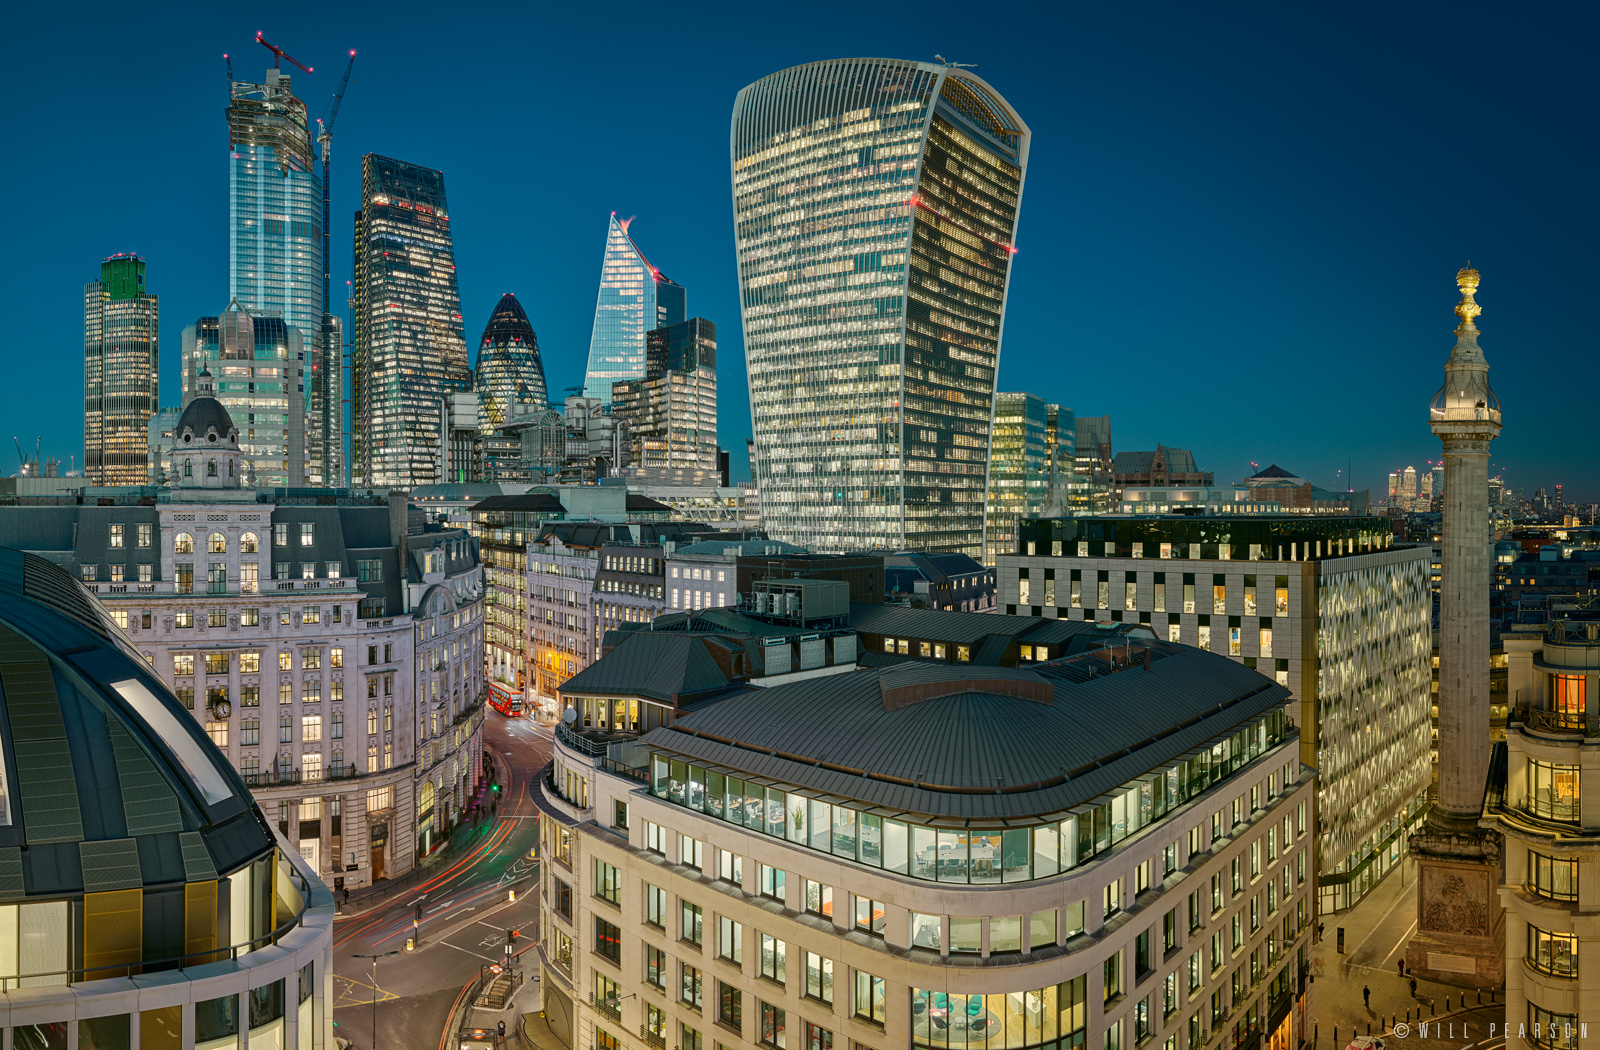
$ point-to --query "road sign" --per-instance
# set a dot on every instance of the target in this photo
(494, 967)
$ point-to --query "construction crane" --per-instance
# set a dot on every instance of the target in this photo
(278, 52)
(228, 60)
(330, 433)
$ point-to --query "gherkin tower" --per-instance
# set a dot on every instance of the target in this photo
(510, 372)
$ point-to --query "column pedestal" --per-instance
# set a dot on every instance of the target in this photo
(1461, 925)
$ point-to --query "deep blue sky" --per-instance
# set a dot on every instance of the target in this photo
(1238, 234)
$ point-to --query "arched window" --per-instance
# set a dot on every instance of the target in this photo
(249, 544)
(217, 543)
(211, 468)
(188, 468)
(230, 468)
(183, 543)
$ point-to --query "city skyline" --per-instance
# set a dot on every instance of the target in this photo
(1259, 183)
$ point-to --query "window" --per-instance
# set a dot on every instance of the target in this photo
(819, 1038)
(336, 657)
(248, 544)
(773, 1022)
(1113, 976)
(607, 940)
(966, 934)
(285, 729)
(146, 533)
(690, 986)
(607, 882)
(869, 915)
(730, 939)
(774, 959)
(730, 1005)
(249, 663)
(183, 543)
(1005, 934)
(655, 906)
(819, 899)
(655, 967)
(689, 922)
(336, 726)
(1111, 902)
(1553, 791)
(730, 867)
(184, 572)
(369, 570)
(185, 696)
(819, 977)
(771, 880)
(250, 617)
(216, 543)
(690, 851)
(868, 997)
(655, 1025)
(335, 569)
(280, 534)
(311, 614)
(218, 731)
(183, 663)
(216, 663)
(1554, 878)
(311, 728)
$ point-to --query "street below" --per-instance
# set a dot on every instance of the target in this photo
(466, 911)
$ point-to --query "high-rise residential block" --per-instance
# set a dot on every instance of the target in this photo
(1019, 464)
(672, 411)
(634, 298)
(510, 375)
(275, 248)
(875, 210)
(1330, 607)
(410, 350)
(121, 323)
(253, 362)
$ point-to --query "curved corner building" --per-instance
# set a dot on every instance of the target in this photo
(143, 895)
(510, 372)
(875, 206)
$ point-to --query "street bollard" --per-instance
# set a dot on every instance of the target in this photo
(411, 944)
(1434, 1013)
(1369, 1027)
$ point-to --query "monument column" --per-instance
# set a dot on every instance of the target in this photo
(1460, 936)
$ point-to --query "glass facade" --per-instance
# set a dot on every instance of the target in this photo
(121, 323)
(673, 410)
(634, 298)
(510, 376)
(875, 207)
(1019, 465)
(410, 347)
(1053, 1018)
(254, 364)
(275, 232)
(962, 853)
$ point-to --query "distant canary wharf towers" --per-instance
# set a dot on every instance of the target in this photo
(634, 298)
(875, 206)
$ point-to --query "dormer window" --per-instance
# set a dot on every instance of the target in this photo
(187, 438)
(212, 437)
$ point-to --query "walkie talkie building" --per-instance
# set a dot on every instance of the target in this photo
(875, 205)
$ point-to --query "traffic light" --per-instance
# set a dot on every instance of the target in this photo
(511, 937)
(495, 788)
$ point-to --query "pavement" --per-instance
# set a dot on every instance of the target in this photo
(1375, 936)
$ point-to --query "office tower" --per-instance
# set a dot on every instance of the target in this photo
(1558, 500)
(1460, 934)
(634, 298)
(1060, 442)
(1394, 486)
(1089, 491)
(1330, 607)
(672, 412)
(1438, 478)
(410, 348)
(510, 374)
(275, 242)
(159, 439)
(1425, 485)
(873, 314)
(1019, 469)
(121, 322)
(253, 364)
(1408, 483)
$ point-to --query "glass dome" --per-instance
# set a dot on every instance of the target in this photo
(1465, 398)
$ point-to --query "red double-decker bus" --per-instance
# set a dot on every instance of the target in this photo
(507, 702)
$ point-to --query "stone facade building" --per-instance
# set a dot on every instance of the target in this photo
(328, 642)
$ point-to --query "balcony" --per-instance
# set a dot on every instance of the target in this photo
(1543, 721)
(611, 1008)
(296, 776)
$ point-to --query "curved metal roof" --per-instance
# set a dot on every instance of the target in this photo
(108, 782)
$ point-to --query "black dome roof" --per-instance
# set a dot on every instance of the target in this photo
(109, 783)
(202, 414)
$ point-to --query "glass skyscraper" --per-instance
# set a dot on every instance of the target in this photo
(275, 245)
(634, 298)
(1019, 469)
(875, 207)
(510, 377)
(253, 361)
(410, 346)
(121, 322)
(672, 411)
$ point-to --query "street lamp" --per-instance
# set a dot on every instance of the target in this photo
(375, 959)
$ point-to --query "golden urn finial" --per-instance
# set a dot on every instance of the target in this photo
(1467, 308)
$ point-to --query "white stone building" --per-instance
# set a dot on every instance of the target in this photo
(328, 642)
(1329, 607)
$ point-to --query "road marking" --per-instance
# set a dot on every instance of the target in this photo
(458, 948)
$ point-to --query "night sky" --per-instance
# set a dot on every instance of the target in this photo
(1239, 231)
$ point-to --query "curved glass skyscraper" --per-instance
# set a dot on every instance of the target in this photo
(510, 372)
(634, 298)
(875, 206)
